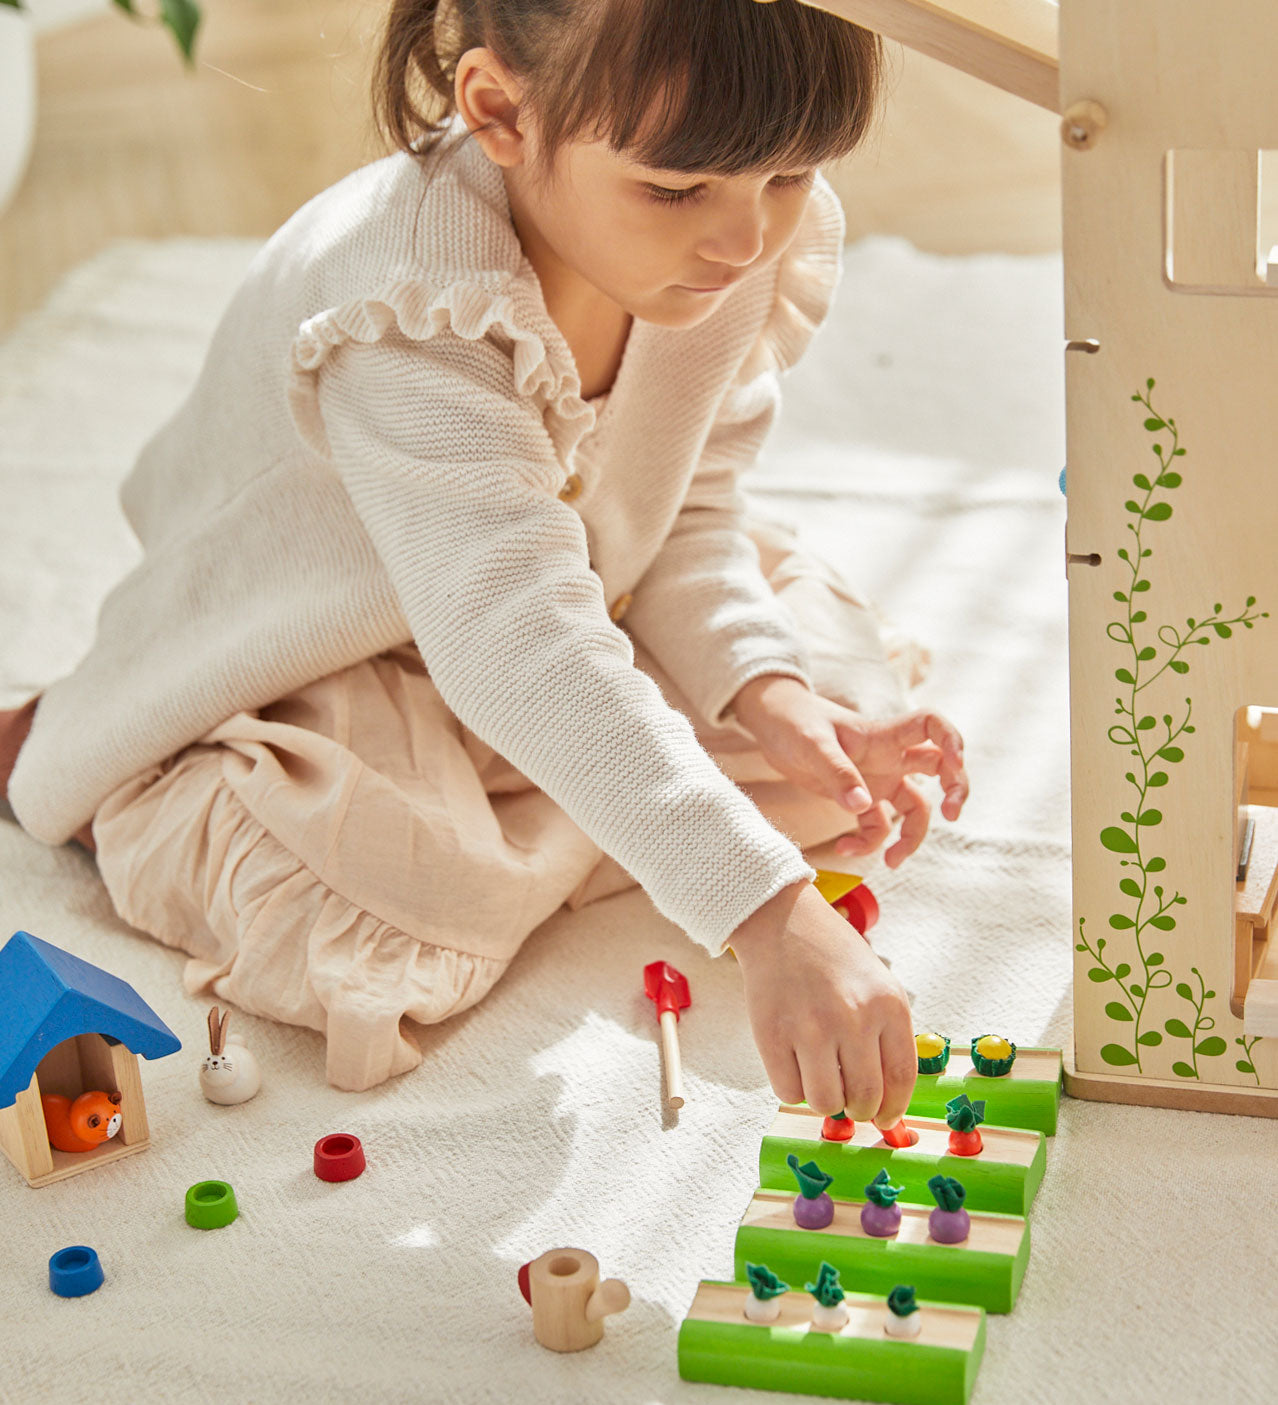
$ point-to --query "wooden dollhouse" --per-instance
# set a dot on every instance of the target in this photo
(1171, 343)
(69, 1027)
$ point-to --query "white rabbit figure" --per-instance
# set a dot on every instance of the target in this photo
(230, 1073)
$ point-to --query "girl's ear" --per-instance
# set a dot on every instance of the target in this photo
(488, 96)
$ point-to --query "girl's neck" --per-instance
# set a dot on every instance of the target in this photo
(595, 328)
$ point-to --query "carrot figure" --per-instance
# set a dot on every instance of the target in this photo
(963, 1117)
(838, 1128)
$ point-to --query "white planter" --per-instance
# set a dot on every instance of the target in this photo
(17, 99)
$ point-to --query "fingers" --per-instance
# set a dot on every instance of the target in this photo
(783, 1073)
(900, 1063)
(822, 1083)
(862, 1080)
(874, 828)
(915, 813)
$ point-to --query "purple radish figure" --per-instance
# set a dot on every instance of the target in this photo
(813, 1208)
(949, 1223)
(881, 1215)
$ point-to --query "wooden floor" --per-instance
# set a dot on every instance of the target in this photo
(131, 144)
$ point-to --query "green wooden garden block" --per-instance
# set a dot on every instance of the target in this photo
(1003, 1178)
(985, 1270)
(1028, 1095)
(859, 1362)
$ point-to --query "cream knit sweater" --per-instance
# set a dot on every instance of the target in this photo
(383, 445)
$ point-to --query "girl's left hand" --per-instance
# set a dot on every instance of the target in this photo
(862, 765)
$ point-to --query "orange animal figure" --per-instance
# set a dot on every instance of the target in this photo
(81, 1125)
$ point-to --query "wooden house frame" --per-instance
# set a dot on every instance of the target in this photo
(1170, 346)
(69, 1027)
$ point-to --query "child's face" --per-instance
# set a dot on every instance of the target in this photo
(650, 241)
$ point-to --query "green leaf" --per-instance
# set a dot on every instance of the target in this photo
(1117, 1055)
(1142, 482)
(1223, 631)
(1183, 990)
(1139, 617)
(1141, 585)
(1150, 1037)
(1163, 923)
(1117, 841)
(1244, 1067)
(1117, 1011)
(183, 18)
(1183, 1070)
(1158, 778)
(1170, 753)
(1131, 887)
(1153, 423)
(1099, 974)
(1122, 970)
(1159, 512)
(1178, 1029)
(126, 5)
(1155, 958)
(1124, 675)
(1176, 453)
(1119, 596)
(1120, 922)
(1146, 654)
(1178, 666)
(1155, 865)
(1146, 722)
(1210, 1048)
(1135, 990)
(1169, 480)
(1151, 817)
(1132, 505)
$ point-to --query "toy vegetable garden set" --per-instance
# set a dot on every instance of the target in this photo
(927, 1223)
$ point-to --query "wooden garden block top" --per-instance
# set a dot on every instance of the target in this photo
(943, 1325)
(990, 1234)
(1031, 1065)
(1007, 1144)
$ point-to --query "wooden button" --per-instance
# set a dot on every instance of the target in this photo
(619, 607)
(572, 488)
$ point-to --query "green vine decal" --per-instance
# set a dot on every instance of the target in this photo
(1151, 907)
(1247, 1064)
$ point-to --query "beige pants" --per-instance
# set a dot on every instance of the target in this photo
(353, 858)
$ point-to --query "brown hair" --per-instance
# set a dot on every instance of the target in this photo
(734, 85)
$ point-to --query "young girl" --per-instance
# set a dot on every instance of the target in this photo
(450, 612)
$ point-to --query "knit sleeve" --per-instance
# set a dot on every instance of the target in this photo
(455, 477)
(703, 608)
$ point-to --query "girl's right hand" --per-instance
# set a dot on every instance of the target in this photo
(831, 1022)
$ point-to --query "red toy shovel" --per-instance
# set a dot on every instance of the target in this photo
(669, 988)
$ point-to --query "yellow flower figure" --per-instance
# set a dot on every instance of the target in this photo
(933, 1051)
(992, 1055)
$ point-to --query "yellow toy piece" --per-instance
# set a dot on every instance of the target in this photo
(929, 1045)
(993, 1046)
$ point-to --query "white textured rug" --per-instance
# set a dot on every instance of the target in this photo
(921, 443)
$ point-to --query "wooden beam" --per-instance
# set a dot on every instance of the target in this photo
(1011, 44)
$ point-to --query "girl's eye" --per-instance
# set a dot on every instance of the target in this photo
(664, 195)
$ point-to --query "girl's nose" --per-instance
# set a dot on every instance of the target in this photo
(735, 239)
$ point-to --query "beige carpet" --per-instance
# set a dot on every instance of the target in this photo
(921, 445)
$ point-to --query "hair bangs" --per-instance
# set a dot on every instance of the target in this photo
(719, 86)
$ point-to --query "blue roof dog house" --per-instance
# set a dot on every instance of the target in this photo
(69, 1027)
